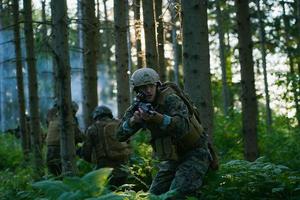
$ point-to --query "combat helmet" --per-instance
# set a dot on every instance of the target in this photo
(144, 76)
(102, 111)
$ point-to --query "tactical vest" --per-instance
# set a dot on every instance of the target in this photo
(107, 144)
(165, 147)
(53, 133)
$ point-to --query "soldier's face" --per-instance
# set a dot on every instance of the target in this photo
(149, 90)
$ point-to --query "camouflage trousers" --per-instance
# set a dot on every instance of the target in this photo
(185, 176)
(53, 160)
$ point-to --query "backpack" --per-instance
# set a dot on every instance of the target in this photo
(114, 149)
(214, 165)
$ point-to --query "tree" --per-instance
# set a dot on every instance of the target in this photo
(249, 100)
(90, 50)
(298, 52)
(107, 38)
(61, 50)
(150, 35)
(173, 12)
(222, 52)
(25, 137)
(289, 52)
(33, 89)
(120, 17)
(262, 37)
(197, 81)
(138, 32)
(160, 40)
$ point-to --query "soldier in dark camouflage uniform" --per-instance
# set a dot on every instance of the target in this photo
(180, 147)
(53, 138)
(103, 149)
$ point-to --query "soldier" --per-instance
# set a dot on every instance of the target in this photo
(52, 113)
(102, 147)
(53, 138)
(177, 138)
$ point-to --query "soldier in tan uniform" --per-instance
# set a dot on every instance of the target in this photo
(102, 147)
(53, 138)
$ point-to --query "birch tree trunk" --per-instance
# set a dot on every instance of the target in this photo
(150, 35)
(138, 32)
(33, 89)
(120, 17)
(61, 48)
(262, 37)
(197, 81)
(90, 47)
(249, 101)
(25, 139)
(160, 40)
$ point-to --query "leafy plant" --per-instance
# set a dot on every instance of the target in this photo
(239, 179)
(90, 186)
(8, 143)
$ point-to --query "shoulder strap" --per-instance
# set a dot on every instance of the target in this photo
(100, 129)
(184, 96)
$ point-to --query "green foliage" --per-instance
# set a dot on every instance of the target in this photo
(141, 167)
(84, 167)
(91, 186)
(273, 176)
(140, 195)
(14, 184)
(227, 136)
(282, 145)
(11, 160)
(240, 179)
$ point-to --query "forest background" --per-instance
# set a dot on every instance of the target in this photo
(238, 61)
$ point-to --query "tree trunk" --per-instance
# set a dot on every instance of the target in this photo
(291, 62)
(20, 85)
(129, 47)
(1, 71)
(222, 49)
(160, 40)
(98, 10)
(262, 37)
(33, 88)
(120, 17)
(150, 35)
(196, 59)
(80, 54)
(44, 21)
(90, 47)
(54, 66)
(173, 13)
(298, 54)
(107, 38)
(249, 101)
(47, 74)
(138, 32)
(61, 48)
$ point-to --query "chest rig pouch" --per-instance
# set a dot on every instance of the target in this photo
(164, 149)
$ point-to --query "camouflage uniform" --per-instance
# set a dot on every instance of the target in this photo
(95, 150)
(53, 142)
(186, 165)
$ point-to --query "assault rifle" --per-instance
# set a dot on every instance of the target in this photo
(144, 106)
